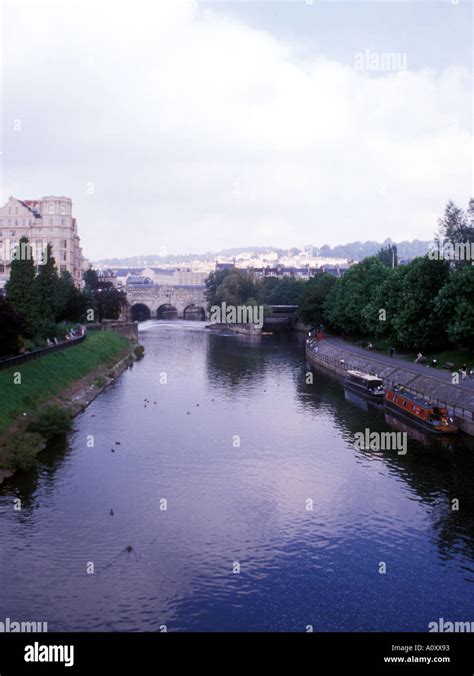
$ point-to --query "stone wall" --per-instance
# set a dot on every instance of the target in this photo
(156, 296)
(459, 400)
(126, 329)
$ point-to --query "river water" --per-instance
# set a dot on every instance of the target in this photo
(210, 490)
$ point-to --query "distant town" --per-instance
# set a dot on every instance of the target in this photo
(49, 220)
(192, 270)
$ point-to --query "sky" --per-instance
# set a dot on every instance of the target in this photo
(180, 126)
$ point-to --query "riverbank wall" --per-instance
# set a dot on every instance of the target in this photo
(124, 328)
(458, 400)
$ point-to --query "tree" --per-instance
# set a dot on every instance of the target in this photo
(417, 323)
(388, 255)
(11, 326)
(21, 290)
(286, 291)
(102, 297)
(47, 287)
(455, 304)
(213, 281)
(71, 302)
(347, 299)
(237, 288)
(109, 302)
(380, 312)
(316, 290)
(91, 279)
(454, 226)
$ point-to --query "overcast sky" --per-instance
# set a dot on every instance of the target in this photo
(184, 127)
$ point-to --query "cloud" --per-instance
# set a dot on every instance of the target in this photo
(173, 125)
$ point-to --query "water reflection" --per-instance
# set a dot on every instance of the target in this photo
(239, 445)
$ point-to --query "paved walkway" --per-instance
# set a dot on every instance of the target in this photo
(426, 371)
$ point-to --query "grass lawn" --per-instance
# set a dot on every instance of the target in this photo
(47, 376)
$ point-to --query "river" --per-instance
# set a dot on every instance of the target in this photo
(195, 511)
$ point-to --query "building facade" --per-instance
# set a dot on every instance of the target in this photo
(45, 221)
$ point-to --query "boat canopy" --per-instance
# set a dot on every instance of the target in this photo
(374, 380)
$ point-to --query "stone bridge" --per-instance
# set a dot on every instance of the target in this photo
(165, 302)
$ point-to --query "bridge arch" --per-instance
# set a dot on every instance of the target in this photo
(139, 312)
(195, 312)
(166, 311)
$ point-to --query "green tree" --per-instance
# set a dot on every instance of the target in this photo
(388, 255)
(47, 287)
(72, 303)
(316, 290)
(347, 299)
(455, 304)
(213, 281)
(454, 226)
(91, 279)
(383, 307)
(21, 290)
(237, 288)
(11, 325)
(417, 323)
(286, 291)
(109, 302)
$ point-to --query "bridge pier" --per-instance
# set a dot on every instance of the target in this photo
(152, 301)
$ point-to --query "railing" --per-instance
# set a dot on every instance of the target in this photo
(29, 356)
(454, 410)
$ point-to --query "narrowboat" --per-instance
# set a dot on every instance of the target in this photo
(363, 383)
(423, 413)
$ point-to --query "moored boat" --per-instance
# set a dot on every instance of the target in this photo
(365, 384)
(419, 411)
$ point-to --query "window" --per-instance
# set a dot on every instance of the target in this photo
(63, 221)
(16, 210)
(51, 221)
(64, 256)
(65, 244)
(12, 233)
(16, 222)
(62, 268)
(2, 269)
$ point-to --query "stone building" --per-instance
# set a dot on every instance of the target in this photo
(44, 221)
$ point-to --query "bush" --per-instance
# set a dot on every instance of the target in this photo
(20, 452)
(138, 351)
(50, 422)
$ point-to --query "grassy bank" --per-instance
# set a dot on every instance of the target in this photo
(48, 376)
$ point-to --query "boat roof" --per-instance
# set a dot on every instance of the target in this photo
(412, 397)
(366, 376)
